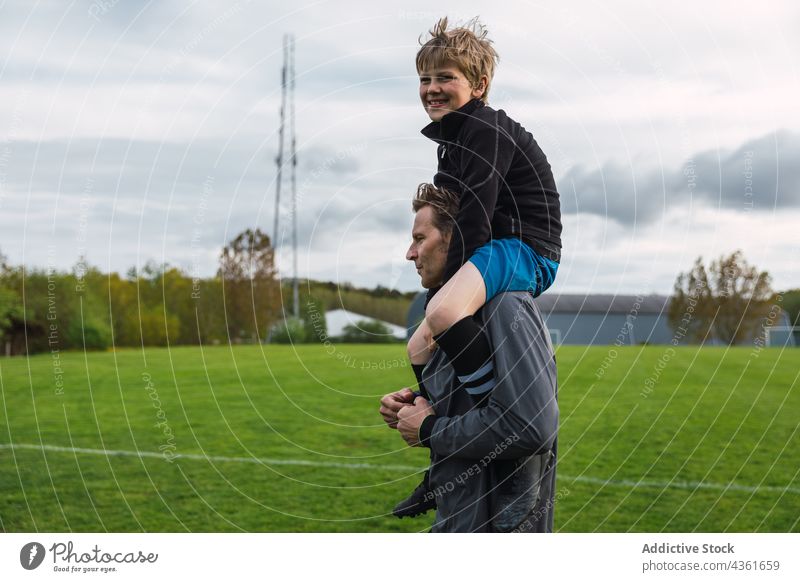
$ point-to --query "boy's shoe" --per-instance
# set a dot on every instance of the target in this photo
(420, 501)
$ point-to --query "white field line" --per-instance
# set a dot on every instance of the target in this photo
(215, 458)
(626, 483)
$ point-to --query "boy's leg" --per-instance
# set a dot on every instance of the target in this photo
(419, 353)
(460, 297)
(449, 316)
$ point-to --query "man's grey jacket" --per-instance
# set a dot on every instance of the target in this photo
(494, 468)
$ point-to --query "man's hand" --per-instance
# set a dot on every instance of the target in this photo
(392, 403)
(409, 419)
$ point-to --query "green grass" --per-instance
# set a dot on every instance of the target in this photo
(714, 416)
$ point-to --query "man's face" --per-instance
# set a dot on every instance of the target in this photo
(446, 89)
(428, 249)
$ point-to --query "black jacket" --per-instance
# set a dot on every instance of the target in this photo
(505, 183)
(493, 469)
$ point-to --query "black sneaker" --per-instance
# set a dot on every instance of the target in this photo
(420, 501)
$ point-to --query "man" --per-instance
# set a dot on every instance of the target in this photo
(492, 467)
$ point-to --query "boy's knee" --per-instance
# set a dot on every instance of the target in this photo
(442, 317)
(418, 352)
(416, 343)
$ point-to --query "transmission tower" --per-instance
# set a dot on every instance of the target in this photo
(279, 157)
(295, 290)
(288, 83)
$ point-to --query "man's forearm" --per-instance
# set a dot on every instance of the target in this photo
(482, 431)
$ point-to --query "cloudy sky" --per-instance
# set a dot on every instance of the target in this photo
(147, 131)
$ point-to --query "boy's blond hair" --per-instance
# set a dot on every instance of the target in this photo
(465, 46)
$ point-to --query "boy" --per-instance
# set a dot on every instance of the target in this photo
(508, 226)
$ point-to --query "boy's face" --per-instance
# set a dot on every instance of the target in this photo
(446, 89)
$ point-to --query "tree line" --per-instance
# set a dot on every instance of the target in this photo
(728, 302)
(158, 305)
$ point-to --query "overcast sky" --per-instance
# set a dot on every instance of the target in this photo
(147, 131)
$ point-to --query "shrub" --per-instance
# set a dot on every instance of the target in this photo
(291, 330)
(367, 332)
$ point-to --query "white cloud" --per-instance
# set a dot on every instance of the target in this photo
(193, 91)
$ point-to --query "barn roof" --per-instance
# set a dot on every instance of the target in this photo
(602, 303)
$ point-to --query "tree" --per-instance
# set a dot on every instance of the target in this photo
(210, 309)
(728, 302)
(89, 325)
(289, 331)
(791, 305)
(154, 323)
(91, 334)
(176, 292)
(310, 327)
(249, 285)
(312, 312)
(11, 315)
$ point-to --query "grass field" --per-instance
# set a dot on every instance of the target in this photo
(283, 439)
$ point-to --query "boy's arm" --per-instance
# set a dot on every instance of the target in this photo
(485, 156)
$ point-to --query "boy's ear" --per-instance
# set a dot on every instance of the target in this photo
(481, 85)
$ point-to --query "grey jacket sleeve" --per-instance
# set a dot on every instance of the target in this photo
(521, 417)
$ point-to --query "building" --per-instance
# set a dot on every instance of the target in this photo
(337, 319)
(577, 319)
(782, 335)
(605, 319)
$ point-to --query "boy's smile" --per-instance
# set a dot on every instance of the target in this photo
(446, 89)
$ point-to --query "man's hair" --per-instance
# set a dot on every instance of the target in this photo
(465, 46)
(444, 204)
